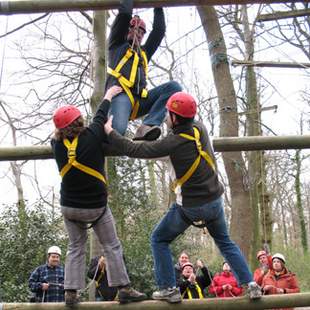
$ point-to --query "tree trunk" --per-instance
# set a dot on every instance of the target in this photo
(242, 217)
(300, 211)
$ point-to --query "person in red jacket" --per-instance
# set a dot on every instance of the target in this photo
(225, 284)
(279, 280)
(265, 264)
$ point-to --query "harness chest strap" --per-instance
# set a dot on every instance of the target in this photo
(71, 147)
(201, 153)
(128, 84)
(189, 293)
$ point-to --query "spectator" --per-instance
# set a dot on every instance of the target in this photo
(46, 282)
(265, 263)
(192, 286)
(97, 271)
(183, 258)
(225, 284)
(279, 280)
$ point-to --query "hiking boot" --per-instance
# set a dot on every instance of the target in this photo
(253, 290)
(71, 298)
(148, 133)
(128, 294)
(171, 295)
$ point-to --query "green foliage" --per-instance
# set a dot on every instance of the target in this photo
(25, 237)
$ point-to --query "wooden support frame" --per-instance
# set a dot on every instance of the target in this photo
(283, 15)
(277, 64)
(232, 303)
(36, 6)
(224, 144)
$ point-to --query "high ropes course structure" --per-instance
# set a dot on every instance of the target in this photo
(225, 144)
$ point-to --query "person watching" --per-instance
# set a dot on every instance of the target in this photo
(46, 282)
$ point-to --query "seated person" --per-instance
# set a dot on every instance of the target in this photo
(183, 258)
(97, 272)
(279, 280)
(265, 263)
(225, 284)
(192, 286)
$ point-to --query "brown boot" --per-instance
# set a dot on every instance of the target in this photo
(148, 133)
(128, 294)
(71, 298)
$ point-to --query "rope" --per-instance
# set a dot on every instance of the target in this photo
(3, 51)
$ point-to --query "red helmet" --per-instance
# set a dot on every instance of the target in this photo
(65, 115)
(182, 104)
(137, 22)
(260, 253)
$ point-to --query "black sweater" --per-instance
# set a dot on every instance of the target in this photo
(203, 186)
(78, 189)
(118, 44)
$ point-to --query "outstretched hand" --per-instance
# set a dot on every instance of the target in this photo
(112, 91)
(108, 125)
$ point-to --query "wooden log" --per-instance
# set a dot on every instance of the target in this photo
(283, 15)
(36, 6)
(227, 144)
(276, 64)
(234, 303)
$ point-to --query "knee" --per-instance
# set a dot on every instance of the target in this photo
(174, 86)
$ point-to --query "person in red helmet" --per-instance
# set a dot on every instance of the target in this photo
(128, 67)
(265, 264)
(83, 198)
(198, 193)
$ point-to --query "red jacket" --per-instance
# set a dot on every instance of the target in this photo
(221, 279)
(259, 273)
(286, 280)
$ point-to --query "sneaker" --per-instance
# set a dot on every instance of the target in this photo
(171, 295)
(128, 294)
(71, 298)
(254, 291)
(148, 133)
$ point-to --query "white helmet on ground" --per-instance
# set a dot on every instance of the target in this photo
(54, 250)
(279, 256)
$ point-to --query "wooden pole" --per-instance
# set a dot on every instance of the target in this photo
(36, 6)
(283, 15)
(229, 144)
(233, 303)
(303, 65)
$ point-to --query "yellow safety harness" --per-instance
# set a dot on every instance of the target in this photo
(71, 147)
(201, 153)
(128, 84)
(189, 293)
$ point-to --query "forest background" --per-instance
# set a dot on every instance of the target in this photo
(48, 60)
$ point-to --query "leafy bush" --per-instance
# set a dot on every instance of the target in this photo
(25, 237)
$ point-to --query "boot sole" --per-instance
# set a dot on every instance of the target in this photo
(151, 135)
(168, 299)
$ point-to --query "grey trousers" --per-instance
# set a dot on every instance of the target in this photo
(106, 233)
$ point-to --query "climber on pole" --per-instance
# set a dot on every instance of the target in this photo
(128, 67)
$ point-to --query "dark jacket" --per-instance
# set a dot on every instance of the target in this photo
(103, 290)
(202, 280)
(78, 189)
(203, 186)
(118, 44)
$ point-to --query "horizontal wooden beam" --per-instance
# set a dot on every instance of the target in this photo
(227, 144)
(233, 303)
(278, 64)
(283, 15)
(37, 6)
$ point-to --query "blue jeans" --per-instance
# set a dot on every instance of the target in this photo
(172, 225)
(154, 106)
